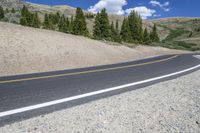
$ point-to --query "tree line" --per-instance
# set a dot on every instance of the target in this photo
(77, 25)
(29, 19)
(131, 30)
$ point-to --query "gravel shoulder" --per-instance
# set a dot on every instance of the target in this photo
(171, 106)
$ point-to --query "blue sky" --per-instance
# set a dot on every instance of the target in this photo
(148, 9)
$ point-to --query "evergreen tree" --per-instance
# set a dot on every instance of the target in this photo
(154, 35)
(191, 33)
(46, 21)
(134, 26)
(117, 26)
(146, 38)
(104, 25)
(28, 18)
(57, 18)
(101, 29)
(35, 21)
(7, 11)
(89, 15)
(96, 28)
(118, 37)
(80, 25)
(13, 10)
(66, 26)
(54, 18)
(71, 24)
(24, 14)
(1, 13)
(125, 31)
(113, 32)
(48, 24)
(141, 32)
(61, 23)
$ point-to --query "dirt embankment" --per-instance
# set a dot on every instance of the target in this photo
(28, 50)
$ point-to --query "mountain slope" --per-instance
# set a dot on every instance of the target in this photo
(184, 33)
(29, 50)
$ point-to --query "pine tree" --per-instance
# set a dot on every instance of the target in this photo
(13, 10)
(141, 32)
(101, 29)
(113, 32)
(35, 21)
(154, 35)
(134, 26)
(80, 25)
(125, 31)
(89, 15)
(54, 18)
(57, 17)
(28, 18)
(117, 26)
(71, 24)
(23, 19)
(146, 38)
(96, 28)
(104, 25)
(118, 37)
(46, 22)
(190, 35)
(6, 11)
(66, 26)
(1, 13)
(61, 23)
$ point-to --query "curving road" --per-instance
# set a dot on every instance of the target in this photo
(25, 96)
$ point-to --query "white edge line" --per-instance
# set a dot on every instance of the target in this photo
(42, 105)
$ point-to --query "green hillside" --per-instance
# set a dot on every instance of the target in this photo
(184, 33)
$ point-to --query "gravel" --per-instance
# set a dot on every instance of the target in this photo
(171, 106)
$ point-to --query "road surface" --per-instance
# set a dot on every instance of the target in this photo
(25, 96)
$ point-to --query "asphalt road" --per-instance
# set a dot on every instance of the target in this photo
(25, 96)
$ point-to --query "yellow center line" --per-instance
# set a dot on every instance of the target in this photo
(87, 72)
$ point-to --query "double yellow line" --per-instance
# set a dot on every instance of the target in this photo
(86, 72)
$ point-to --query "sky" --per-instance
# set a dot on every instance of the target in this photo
(148, 9)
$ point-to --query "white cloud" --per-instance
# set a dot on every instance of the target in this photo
(116, 7)
(164, 6)
(143, 11)
(112, 6)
